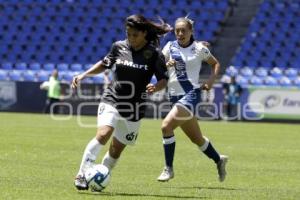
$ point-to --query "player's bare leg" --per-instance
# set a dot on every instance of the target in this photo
(192, 130)
(112, 156)
(177, 116)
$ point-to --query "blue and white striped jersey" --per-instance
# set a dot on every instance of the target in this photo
(184, 76)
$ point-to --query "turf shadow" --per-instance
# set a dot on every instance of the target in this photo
(207, 188)
(122, 194)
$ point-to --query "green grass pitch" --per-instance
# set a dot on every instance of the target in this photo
(39, 158)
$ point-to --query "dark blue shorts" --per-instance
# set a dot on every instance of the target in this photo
(190, 100)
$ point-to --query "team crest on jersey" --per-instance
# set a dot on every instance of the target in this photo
(123, 50)
(173, 50)
(101, 109)
(106, 61)
(147, 54)
(193, 50)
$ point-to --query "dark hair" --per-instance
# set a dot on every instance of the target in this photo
(154, 30)
(189, 22)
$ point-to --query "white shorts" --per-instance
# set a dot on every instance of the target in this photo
(125, 131)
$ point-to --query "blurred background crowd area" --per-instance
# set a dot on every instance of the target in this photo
(258, 41)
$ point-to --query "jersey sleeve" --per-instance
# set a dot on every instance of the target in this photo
(166, 51)
(110, 59)
(203, 52)
(160, 71)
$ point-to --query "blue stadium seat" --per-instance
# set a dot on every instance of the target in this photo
(213, 26)
(270, 81)
(295, 5)
(15, 75)
(35, 66)
(231, 71)
(285, 81)
(98, 79)
(246, 72)
(87, 66)
(261, 72)
(291, 73)
(281, 63)
(222, 5)
(62, 67)
(3, 75)
(68, 76)
(244, 82)
(250, 63)
(276, 72)
(296, 81)
(76, 67)
(61, 75)
(21, 66)
(196, 4)
(237, 61)
(43, 75)
(49, 66)
(7, 65)
(256, 81)
(29, 75)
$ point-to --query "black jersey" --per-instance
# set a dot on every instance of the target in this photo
(132, 71)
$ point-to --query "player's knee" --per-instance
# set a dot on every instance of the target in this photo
(197, 138)
(166, 128)
(103, 135)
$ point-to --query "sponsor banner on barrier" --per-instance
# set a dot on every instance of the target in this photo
(8, 94)
(278, 103)
(255, 103)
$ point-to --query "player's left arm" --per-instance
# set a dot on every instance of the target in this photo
(214, 63)
(161, 74)
(161, 84)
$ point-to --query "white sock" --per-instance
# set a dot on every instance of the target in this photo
(109, 161)
(205, 145)
(90, 155)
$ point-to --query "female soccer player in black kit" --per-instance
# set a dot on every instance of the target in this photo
(133, 61)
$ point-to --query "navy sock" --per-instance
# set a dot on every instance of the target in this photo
(169, 149)
(212, 153)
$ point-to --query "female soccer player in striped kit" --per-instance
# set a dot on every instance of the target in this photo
(133, 62)
(184, 57)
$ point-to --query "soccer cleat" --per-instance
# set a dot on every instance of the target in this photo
(221, 167)
(166, 174)
(81, 183)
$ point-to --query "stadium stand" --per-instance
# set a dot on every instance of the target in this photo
(271, 47)
(3, 75)
(68, 35)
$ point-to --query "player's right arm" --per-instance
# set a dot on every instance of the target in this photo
(166, 51)
(97, 68)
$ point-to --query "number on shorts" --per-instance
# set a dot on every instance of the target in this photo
(131, 136)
